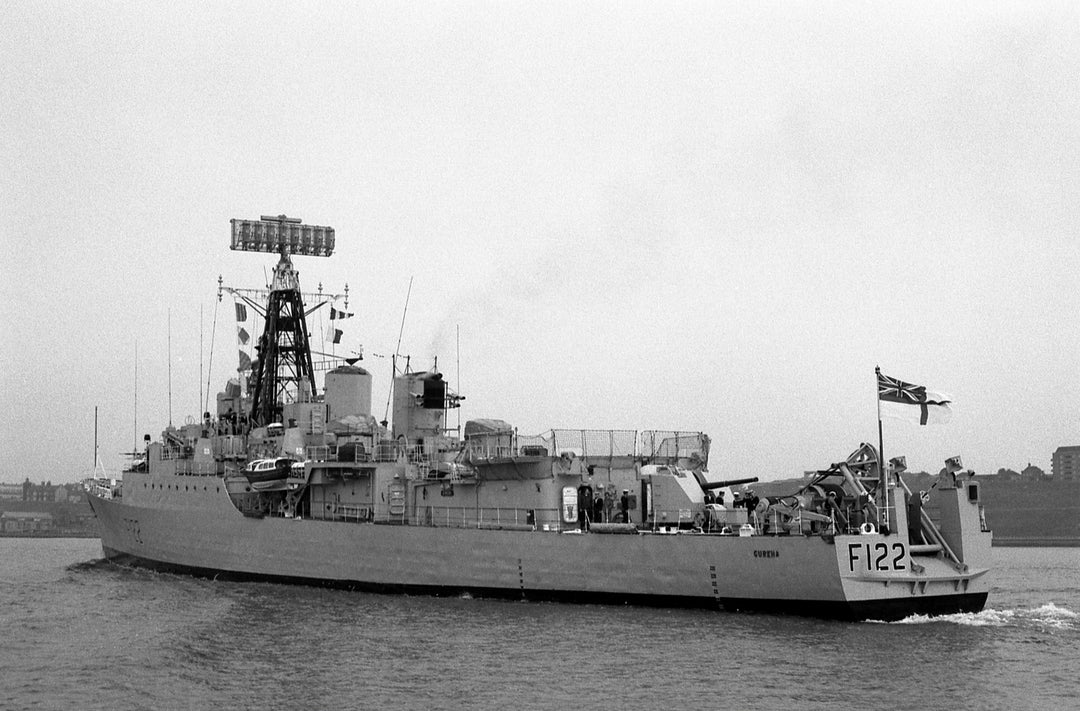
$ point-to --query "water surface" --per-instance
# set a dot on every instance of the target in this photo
(78, 632)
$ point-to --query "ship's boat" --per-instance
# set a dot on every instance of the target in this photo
(293, 479)
(264, 474)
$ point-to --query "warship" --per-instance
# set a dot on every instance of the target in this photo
(291, 478)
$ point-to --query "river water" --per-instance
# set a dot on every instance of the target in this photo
(79, 633)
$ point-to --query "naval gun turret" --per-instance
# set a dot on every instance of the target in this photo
(728, 483)
(682, 498)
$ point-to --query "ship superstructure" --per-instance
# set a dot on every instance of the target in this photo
(297, 481)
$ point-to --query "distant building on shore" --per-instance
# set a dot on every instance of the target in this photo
(46, 493)
(1066, 463)
(1028, 473)
(1032, 473)
(25, 522)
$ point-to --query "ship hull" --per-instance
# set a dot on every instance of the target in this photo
(886, 609)
(199, 532)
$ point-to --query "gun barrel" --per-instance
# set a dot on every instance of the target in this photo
(728, 482)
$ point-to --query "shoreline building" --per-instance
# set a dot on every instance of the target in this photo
(1065, 465)
(25, 522)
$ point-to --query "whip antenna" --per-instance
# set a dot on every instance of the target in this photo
(459, 378)
(135, 447)
(397, 348)
(170, 366)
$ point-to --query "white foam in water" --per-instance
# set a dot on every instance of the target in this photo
(986, 618)
(1048, 615)
(1052, 610)
(1051, 615)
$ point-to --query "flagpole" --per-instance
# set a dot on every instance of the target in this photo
(882, 492)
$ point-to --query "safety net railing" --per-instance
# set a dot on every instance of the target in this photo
(650, 445)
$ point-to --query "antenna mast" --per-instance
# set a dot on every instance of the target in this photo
(135, 447)
(170, 367)
(404, 311)
(210, 364)
(459, 377)
(397, 348)
(284, 372)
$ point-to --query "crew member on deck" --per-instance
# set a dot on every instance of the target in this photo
(584, 505)
(914, 519)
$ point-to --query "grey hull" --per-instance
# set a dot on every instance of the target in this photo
(200, 532)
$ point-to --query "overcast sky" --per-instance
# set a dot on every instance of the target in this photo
(696, 216)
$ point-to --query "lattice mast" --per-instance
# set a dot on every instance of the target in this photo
(283, 371)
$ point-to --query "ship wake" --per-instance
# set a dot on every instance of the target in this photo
(1046, 616)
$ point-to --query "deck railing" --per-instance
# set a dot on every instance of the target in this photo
(450, 516)
(650, 445)
(359, 453)
(491, 517)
